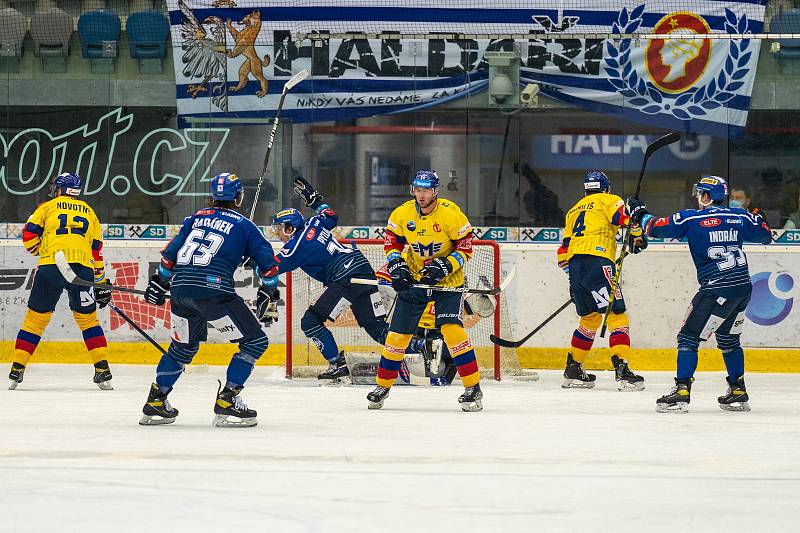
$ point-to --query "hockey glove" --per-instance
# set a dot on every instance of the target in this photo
(402, 280)
(307, 192)
(564, 265)
(435, 271)
(637, 241)
(102, 295)
(156, 290)
(636, 210)
(267, 305)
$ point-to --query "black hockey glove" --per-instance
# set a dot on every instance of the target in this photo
(156, 290)
(636, 210)
(307, 192)
(102, 295)
(402, 280)
(637, 241)
(267, 305)
(435, 271)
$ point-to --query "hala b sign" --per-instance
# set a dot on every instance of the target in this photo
(232, 57)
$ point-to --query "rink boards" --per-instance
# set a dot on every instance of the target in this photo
(658, 286)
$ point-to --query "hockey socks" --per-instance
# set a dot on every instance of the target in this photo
(241, 366)
(392, 355)
(93, 336)
(171, 365)
(457, 341)
(314, 328)
(583, 337)
(33, 326)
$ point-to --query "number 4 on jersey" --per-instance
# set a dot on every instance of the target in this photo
(580, 225)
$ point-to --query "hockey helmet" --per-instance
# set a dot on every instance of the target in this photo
(287, 217)
(425, 179)
(66, 183)
(596, 181)
(715, 186)
(226, 187)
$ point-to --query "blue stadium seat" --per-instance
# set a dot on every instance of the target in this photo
(99, 33)
(786, 22)
(13, 27)
(147, 37)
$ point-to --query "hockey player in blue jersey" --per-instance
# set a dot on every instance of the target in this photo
(311, 246)
(715, 234)
(197, 269)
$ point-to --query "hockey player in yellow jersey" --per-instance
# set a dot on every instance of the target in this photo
(64, 223)
(428, 241)
(587, 255)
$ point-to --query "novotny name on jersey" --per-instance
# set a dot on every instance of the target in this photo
(723, 235)
(213, 223)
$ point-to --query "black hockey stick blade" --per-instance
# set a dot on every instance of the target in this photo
(72, 277)
(516, 344)
(136, 326)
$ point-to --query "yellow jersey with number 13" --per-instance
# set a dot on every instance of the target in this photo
(68, 224)
(591, 227)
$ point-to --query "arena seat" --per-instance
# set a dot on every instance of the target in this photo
(51, 30)
(147, 36)
(13, 27)
(99, 33)
(786, 51)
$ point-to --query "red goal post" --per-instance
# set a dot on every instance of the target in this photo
(482, 270)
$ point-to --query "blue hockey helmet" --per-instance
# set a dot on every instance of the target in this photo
(66, 183)
(596, 181)
(425, 179)
(287, 217)
(226, 187)
(715, 186)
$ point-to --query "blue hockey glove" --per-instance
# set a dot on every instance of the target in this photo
(267, 305)
(156, 290)
(435, 271)
(307, 192)
(102, 295)
(636, 209)
(402, 280)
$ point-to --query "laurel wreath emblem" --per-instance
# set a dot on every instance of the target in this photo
(692, 103)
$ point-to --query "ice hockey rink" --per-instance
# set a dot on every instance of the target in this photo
(538, 458)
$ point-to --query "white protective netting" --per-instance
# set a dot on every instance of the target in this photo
(482, 271)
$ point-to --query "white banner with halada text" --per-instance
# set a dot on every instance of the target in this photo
(233, 57)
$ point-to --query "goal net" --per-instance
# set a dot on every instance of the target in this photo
(483, 270)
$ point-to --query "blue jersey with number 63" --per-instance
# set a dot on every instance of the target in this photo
(715, 236)
(209, 248)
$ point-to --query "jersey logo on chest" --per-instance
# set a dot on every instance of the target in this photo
(426, 250)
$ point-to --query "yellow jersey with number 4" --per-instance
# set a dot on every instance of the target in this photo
(591, 227)
(68, 224)
(445, 233)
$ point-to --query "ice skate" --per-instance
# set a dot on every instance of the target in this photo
(575, 377)
(16, 375)
(157, 411)
(736, 398)
(471, 399)
(677, 399)
(102, 375)
(231, 411)
(626, 379)
(376, 397)
(336, 369)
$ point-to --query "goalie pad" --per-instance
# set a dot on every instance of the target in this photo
(363, 367)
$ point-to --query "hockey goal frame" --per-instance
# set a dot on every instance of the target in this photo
(496, 354)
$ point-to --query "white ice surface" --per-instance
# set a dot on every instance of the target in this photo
(538, 458)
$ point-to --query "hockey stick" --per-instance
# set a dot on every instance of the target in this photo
(659, 143)
(294, 80)
(516, 344)
(489, 292)
(135, 326)
(71, 277)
